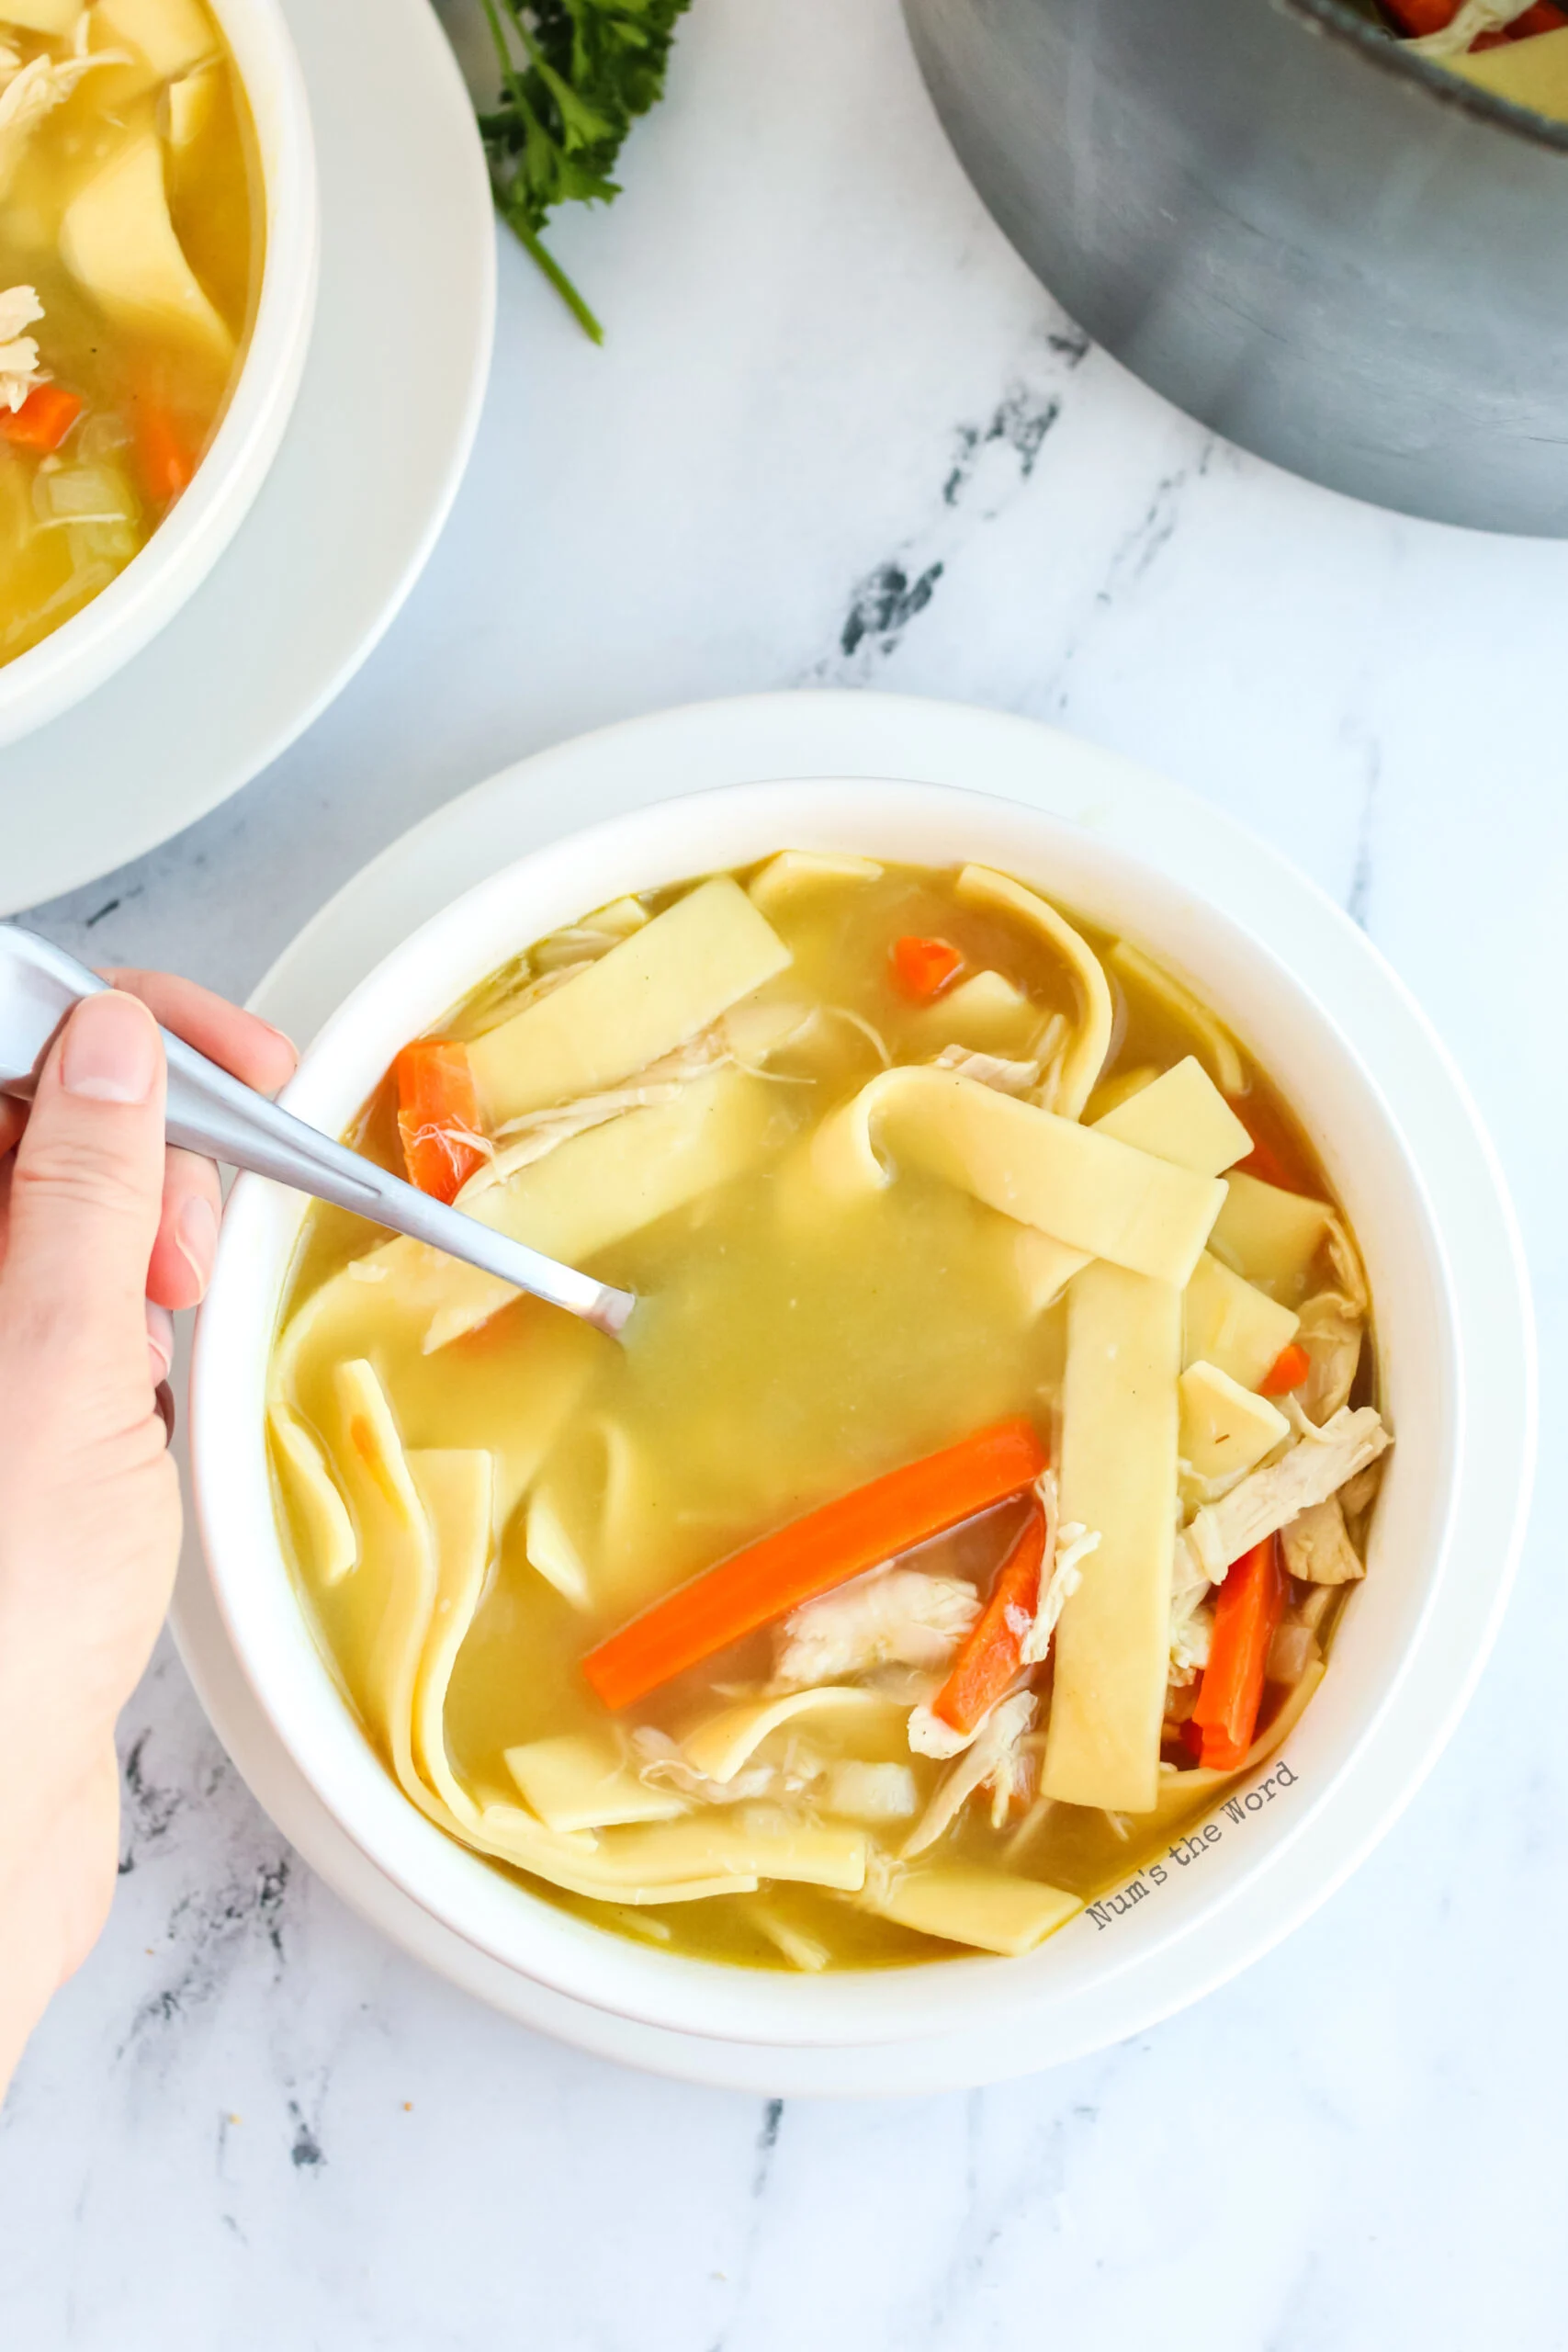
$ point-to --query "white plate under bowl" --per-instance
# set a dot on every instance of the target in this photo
(354, 499)
(1140, 1973)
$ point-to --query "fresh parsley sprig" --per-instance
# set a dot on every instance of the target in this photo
(575, 75)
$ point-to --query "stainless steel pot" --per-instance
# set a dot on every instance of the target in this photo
(1333, 253)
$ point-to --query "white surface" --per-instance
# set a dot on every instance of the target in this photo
(1129, 852)
(1357, 2145)
(349, 514)
(97, 641)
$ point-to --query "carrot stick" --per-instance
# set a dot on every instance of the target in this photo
(989, 1659)
(1418, 17)
(923, 967)
(438, 1116)
(859, 1530)
(166, 463)
(44, 420)
(1251, 1603)
(1288, 1371)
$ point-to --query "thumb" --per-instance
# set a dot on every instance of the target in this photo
(86, 1192)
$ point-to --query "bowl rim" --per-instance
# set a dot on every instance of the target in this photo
(115, 626)
(209, 1337)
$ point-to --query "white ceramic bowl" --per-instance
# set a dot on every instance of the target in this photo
(106, 633)
(1423, 1389)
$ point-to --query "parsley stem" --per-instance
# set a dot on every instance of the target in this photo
(560, 281)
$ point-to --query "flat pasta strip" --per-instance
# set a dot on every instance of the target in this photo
(984, 1012)
(332, 1545)
(1270, 1237)
(1130, 963)
(1118, 1475)
(610, 1183)
(1180, 1116)
(990, 1910)
(1232, 1323)
(797, 874)
(457, 1491)
(719, 1747)
(398, 1565)
(380, 1306)
(1096, 1194)
(980, 886)
(648, 995)
(1225, 1428)
(577, 1782)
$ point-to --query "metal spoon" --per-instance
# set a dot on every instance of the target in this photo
(209, 1112)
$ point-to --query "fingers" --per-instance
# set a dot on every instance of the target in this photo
(181, 1264)
(255, 1052)
(86, 1188)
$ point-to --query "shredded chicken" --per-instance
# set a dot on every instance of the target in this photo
(1067, 1546)
(35, 89)
(19, 308)
(536, 1134)
(995, 1758)
(1330, 1331)
(1060, 1575)
(1359, 1493)
(1270, 1498)
(1316, 1547)
(990, 1069)
(1191, 1617)
(1474, 17)
(1345, 1264)
(893, 1617)
(661, 1765)
(1291, 1651)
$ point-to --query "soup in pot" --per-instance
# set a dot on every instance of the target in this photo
(977, 1480)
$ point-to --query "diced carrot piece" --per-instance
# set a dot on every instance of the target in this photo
(1251, 1603)
(755, 1587)
(438, 1116)
(989, 1659)
(1288, 1371)
(1276, 1157)
(923, 967)
(164, 458)
(44, 420)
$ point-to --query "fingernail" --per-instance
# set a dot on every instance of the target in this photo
(111, 1050)
(159, 1341)
(196, 1237)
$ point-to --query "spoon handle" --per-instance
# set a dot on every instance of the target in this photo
(210, 1111)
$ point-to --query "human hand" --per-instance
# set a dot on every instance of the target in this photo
(103, 1231)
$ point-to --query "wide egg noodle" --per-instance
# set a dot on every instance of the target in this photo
(457, 1488)
(1118, 1475)
(721, 1745)
(609, 1182)
(651, 994)
(1180, 1116)
(575, 1780)
(119, 243)
(980, 886)
(961, 1904)
(797, 874)
(1100, 1196)
(1130, 963)
(331, 1545)
(1232, 1323)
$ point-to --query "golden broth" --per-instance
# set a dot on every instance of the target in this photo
(130, 205)
(779, 1356)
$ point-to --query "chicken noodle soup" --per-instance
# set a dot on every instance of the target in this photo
(130, 231)
(1516, 48)
(981, 1472)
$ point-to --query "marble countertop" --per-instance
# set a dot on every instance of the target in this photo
(838, 436)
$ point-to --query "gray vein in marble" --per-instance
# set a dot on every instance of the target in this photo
(990, 464)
